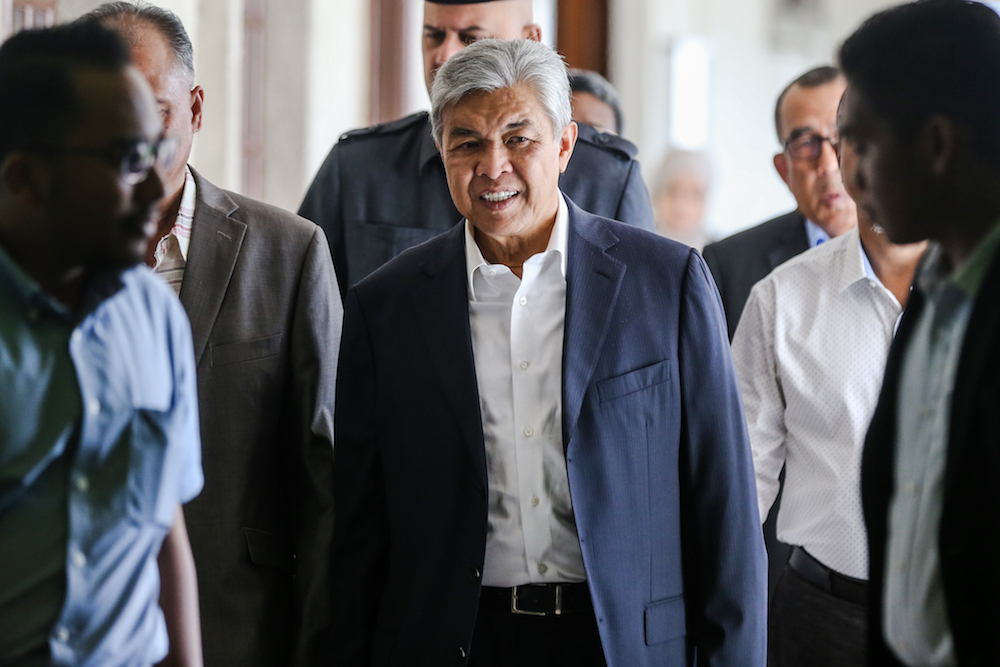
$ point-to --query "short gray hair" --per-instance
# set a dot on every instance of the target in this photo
(496, 64)
(128, 17)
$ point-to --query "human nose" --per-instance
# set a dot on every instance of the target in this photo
(828, 163)
(450, 45)
(150, 189)
(494, 162)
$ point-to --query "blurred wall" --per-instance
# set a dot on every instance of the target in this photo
(316, 74)
(756, 48)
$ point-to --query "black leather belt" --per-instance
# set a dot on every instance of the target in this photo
(539, 599)
(838, 585)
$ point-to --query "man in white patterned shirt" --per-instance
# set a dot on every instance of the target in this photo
(810, 351)
(261, 293)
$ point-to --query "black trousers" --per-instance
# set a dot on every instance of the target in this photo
(808, 627)
(503, 639)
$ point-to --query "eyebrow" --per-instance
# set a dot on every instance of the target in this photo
(466, 132)
(471, 28)
(799, 131)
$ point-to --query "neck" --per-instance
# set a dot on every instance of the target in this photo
(893, 264)
(959, 243)
(513, 251)
(62, 280)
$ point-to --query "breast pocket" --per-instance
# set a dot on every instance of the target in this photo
(152, 488)
(247, 350)
(633, 381)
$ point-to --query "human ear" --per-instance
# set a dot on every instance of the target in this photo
(566, 143)
(197, 102)
(937, 143)
(26, 179)
(781, 165)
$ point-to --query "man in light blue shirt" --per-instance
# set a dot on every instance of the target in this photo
(99, 441)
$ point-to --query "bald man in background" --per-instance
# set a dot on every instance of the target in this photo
(382, 189)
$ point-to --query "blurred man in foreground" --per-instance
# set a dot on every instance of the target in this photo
(921, 116)
(99, 422)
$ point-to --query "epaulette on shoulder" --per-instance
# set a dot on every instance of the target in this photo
(387, 128)
(611, 142)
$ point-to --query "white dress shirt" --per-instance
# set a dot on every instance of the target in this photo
(810, 353)
(914, 613)
(172, 250)
(517, 342)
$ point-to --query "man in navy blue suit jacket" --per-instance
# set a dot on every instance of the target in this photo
(541, 454)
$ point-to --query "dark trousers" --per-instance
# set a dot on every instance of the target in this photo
(809, 627)
(503, 639)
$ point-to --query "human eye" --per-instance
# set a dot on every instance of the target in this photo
(517, 140)
(469, 38)
(433, 37)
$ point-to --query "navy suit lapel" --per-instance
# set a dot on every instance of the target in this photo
(592, 285)
(978, 347)
(442, 305)
(215, 246)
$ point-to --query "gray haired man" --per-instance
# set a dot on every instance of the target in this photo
(546, 350)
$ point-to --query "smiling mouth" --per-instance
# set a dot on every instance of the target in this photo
(496, 197)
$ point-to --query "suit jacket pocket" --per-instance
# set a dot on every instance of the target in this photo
(665, 620)
(247, 350)
(269, 549)
(633, 381)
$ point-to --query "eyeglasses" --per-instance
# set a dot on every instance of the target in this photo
(133, 157)
(809, 146)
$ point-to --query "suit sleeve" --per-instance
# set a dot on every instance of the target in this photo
(760, 386)
(635, 207)
(711, 254)
(723, 546)
(322, 205)
(315, 338)
(361, 532)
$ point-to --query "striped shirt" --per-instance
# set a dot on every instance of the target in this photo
(172, 250)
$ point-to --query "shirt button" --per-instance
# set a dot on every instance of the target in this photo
(94, 407)
(62, 635)
(525, 365)
(79, 559)
(82, 484)
(523, 301)
(534, 501)
(542, 568)
(529, 431)
(493, 272)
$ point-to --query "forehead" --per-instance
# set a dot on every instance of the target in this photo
(486, 112)
(115, 104)
(494, 17)
(152, 54)
(856, 116)
(814, 107)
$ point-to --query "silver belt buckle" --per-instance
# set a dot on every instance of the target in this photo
(515, 610)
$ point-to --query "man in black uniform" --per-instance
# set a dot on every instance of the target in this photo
(382, 189)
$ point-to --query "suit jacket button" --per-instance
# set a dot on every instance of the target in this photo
(461, 653)
(475, 573)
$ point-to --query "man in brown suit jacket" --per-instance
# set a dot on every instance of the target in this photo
(259, 287)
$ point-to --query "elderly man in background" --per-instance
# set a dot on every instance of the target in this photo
(810, 352)
(382, 189)
(98, 422)
(551, 466)
(595, 101)
(925, 97)
(680, 197)
(259, 287)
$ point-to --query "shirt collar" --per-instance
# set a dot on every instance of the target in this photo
(558, 241)
(815, 233)
(854, 264)
(185, 213)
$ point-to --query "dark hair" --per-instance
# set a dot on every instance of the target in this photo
(585, 81)
(129, 17)
(39, 102)
(931, 57)
(814, 78)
